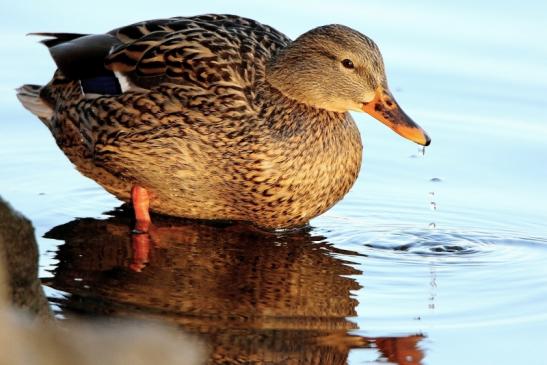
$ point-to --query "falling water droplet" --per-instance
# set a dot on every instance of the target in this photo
(431, 193)
(432, 225)
(433, 284)
(433, 205)
(421, 153)
(435, 179)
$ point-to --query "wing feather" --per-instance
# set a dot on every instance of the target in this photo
(203, 50)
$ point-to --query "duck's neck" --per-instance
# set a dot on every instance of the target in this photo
(285, 115)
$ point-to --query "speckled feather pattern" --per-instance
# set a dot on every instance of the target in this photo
(202, 130)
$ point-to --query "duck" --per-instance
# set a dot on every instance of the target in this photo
(216, 116)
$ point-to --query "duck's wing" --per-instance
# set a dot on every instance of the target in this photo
(183, 80)
(203, 51)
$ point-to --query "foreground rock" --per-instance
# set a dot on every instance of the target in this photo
(24, 340)
(20, 253)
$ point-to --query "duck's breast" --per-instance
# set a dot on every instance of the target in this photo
(293, 178)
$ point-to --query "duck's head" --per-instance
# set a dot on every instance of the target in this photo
(336, 68)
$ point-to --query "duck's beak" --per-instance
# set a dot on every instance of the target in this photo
(384, 108)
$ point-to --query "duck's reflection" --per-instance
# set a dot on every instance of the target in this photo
(257, 298)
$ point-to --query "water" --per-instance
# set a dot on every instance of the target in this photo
(434, 257)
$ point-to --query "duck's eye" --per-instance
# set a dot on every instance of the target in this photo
(347, 63)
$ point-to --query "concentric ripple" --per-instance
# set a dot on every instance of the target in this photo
(433, 243)
(416, 278)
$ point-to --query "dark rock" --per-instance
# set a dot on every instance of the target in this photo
(20, 256)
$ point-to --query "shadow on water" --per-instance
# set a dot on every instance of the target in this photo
(255, 297)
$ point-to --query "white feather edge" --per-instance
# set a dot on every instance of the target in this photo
(126, 84)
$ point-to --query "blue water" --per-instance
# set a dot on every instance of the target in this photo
(463, 283)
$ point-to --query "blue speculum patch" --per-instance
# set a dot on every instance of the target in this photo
(106, 85)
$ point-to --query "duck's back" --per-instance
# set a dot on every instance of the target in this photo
(181, 107)
(200, 50)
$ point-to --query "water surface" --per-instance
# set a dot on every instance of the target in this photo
(434, 258)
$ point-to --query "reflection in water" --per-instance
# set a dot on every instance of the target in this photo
(256, 297)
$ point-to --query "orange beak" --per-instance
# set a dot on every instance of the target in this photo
(384, 108)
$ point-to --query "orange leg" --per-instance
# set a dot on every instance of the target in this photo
(141, 203)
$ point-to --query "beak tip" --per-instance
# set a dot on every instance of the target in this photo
(427, 140)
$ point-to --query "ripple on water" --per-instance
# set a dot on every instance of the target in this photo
(461, 278)
(454, 246)
(429, 243)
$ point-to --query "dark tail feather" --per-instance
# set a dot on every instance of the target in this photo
(57, 38)
(80, 56)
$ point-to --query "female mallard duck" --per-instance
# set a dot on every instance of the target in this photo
(217, 116)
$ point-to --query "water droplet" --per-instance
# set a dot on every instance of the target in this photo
(431, 193)
(433, 205)
(78, 279)
(435, 179)
(421, 153)
(432, 225)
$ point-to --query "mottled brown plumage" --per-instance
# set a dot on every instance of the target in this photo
(218, 116)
